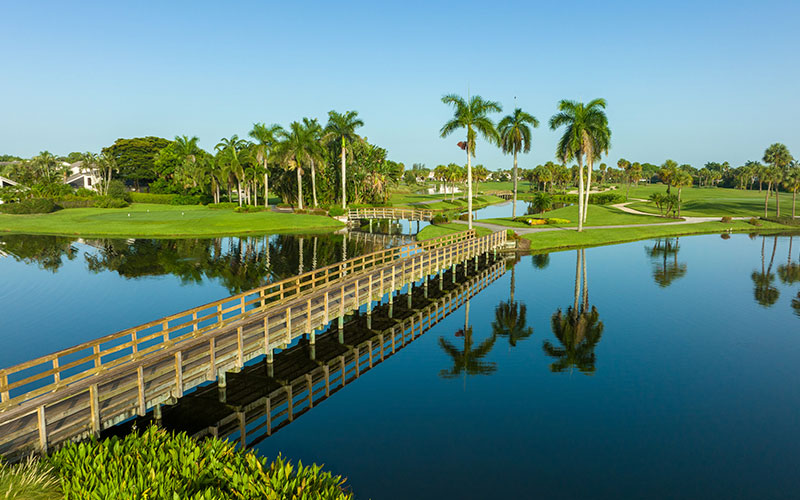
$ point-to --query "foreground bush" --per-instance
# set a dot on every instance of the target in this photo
(539, 221)
(336, 211)
(110, 202)
(29, 480)
(168, 199)
(29, 206)
(161, 465)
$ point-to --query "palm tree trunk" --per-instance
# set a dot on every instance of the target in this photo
(513, 282)
(514, 202)
(580, 194)
(469, 184)
(299, 188)
(314, 183)
(777, 201)
(577, 281)
(679, 200)
(266, 184)
(588, 188)
(585, 282)
(239, 191)
(344, 177)
(766, 200)
(794, 197)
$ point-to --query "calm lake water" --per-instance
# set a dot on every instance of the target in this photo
(669, 371)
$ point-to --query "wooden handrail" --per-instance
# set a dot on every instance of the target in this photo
(257, 297)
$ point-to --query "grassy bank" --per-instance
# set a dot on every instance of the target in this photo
(599, 215)
(140, 220)
(566, 239)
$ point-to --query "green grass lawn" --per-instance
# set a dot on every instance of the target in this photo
(162, 221)
(599, 215)
(555, 240)
(434, 231)
(713, 202)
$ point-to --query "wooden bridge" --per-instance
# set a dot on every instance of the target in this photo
(388, 213)
(82, 390)
(265, 397)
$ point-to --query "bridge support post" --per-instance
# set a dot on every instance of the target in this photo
(157, 413)
(454, 273)
(370, 226)
(410, 292)
(313, 352)
(425, 286)
(441, 279)
(476, 263)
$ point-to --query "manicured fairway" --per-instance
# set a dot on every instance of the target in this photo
(599, 215)
(161, 221)
(713, 202)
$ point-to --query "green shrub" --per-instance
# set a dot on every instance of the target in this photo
(300, 211)
(29, 206)
(85, 193)
(336, 211)
(160, 465)
(440, 219)
(284, 205)
(186, 199)
(754, 222)
(316, 211)
(30, 479)
(77, 203)
(160, 199)
(556, 220)
(223, 205)
(727, 218)
(110, 202)
(248, 208)
(117, 190)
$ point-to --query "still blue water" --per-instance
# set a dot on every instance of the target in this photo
(687, 390)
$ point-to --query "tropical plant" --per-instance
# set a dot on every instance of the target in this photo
(293, 151)
(586, 136)
(472, 115)
(541, 202)
(341, 128)
(515, 137)
(31, 479)
(680, 179)
(791, 182)
(510, 321)
(266, 137)
(229, 149)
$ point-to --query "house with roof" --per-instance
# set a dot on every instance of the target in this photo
(80, 177)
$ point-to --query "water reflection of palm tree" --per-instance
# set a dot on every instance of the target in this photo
(796, 305)
(578, 331)
(469, 360)
(541, 261)
(789, 273)
(664, 271)
(765, 293)
(510, 321)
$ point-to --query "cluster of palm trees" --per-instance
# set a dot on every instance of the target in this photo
(455, 175)
(304, 147)
(765, 292)
(586, 137)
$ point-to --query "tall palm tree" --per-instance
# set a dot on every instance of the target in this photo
(681, 178)
(293, 152)
(266, 137)
(342, 127)
(315, 151)
(187, 151)
(471, 114)
(515, 137)
(791, 182)
(230, 149)
(772, 176)
(779, 157)
(586, 137)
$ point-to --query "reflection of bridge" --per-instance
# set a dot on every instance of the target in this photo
(264, 397)
(384, 240)
(388, 213)
(87, 388)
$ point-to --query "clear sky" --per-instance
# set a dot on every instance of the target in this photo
(692, 81)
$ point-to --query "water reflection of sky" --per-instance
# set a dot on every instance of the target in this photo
(693, 392)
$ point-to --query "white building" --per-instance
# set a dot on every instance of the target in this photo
(82, 178)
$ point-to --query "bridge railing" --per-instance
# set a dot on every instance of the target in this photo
(48, 373)
(107, 394)
(390, 213)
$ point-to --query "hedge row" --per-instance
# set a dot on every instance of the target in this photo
(29, 206)
(167, 199)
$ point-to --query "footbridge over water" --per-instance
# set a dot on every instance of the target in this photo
(80, 391)
(251, 405)
(389, 213)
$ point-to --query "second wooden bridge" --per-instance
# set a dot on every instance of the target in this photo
(82, 390)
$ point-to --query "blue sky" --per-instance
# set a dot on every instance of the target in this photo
(692, 81)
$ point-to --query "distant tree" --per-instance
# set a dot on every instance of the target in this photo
(680, 179)
(791, 182)
(341, 128)
(135, 157)
(266, 137)
(515, 137)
